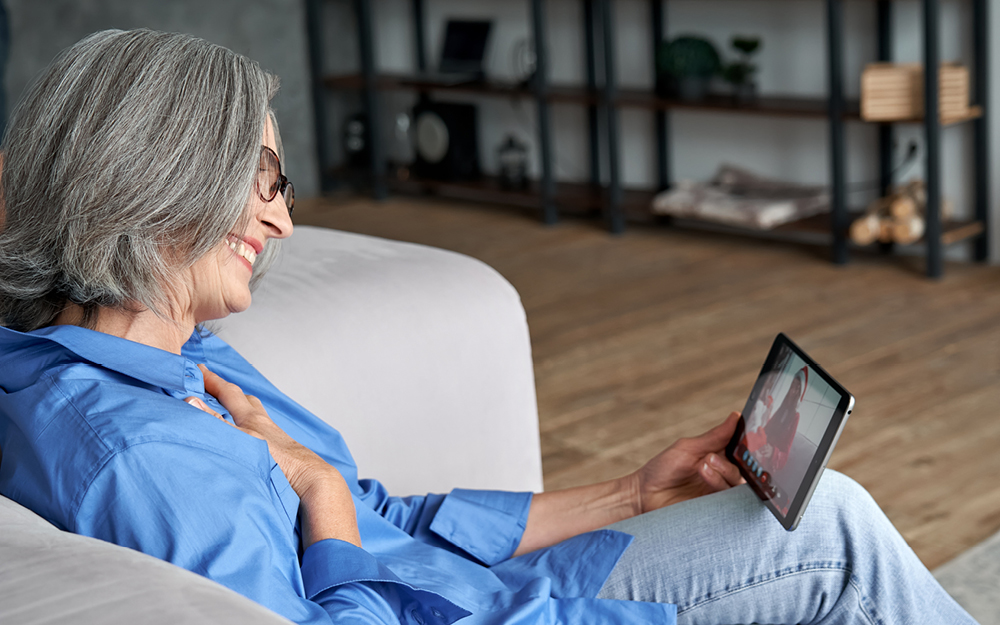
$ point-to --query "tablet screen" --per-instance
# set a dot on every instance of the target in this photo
(790, 424)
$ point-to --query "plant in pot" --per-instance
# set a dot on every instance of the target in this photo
(740, 73)
(686, 66)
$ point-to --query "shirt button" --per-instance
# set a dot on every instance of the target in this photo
(437, 613)
(419, 620)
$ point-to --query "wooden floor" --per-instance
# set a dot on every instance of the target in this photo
(656, 334)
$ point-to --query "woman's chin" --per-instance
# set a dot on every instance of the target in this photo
(239, 306)
(232, 306)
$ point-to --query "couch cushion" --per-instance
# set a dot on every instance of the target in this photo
(51, 576)
(419, 356)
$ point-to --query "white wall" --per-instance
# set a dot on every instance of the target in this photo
(792, 62)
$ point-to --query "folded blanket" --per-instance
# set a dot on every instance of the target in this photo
(738, 197)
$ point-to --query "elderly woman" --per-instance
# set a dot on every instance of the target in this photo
(143, 197)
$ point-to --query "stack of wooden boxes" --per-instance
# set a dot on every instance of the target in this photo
(895, 92)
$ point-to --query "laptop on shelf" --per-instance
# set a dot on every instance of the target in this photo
(462, 53)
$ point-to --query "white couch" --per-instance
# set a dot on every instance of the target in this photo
(419, 356)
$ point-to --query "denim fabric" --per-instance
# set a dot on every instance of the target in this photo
(725, 559)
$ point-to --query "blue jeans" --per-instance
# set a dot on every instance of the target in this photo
(724, 559)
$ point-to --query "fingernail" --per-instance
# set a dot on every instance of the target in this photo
(715, 461)
(194, 401)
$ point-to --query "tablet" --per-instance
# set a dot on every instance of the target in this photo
(788, 430)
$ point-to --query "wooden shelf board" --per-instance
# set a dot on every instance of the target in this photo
(586, 200)
(483, 190)
(391, 82)
(952, 231)
(955, 231)
(781, 106)
(973, 112)
(816, 229)
(632, 98)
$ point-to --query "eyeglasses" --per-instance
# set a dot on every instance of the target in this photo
(270, 182)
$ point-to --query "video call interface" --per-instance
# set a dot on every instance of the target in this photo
(784, 425)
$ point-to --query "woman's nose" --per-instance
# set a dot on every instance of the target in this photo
(275, 218)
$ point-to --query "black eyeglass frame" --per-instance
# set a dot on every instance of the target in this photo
(284, 187)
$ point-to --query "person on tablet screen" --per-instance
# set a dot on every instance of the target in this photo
(772, 442)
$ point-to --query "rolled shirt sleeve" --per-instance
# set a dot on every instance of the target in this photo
(487, 525)
(352, 583)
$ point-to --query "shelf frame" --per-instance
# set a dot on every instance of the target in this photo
(603, 98)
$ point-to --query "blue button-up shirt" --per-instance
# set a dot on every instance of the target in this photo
(97, 439)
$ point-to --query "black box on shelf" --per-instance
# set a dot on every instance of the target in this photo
(446, 141)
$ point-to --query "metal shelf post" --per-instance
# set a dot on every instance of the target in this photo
(593, 123)
(981, 128)
(835, 111)
(932, 138)
(314, 29)
(371, 98)
(883, 28)
(418, 34)
(614, 216)
(662, 121)
(550, 214)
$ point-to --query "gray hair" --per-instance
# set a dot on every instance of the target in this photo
(132, 156)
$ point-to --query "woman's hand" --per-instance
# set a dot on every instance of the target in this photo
(689, 468)
(326, 503)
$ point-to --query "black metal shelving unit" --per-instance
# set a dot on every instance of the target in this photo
(604, 99)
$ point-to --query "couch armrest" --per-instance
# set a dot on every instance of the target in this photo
(419, 356)
(51, 576)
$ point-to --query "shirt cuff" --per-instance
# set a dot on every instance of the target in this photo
(486, 524)
(332, 562)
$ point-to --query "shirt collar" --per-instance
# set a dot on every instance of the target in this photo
(144, 363)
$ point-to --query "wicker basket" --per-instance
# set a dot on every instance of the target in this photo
(895, 92)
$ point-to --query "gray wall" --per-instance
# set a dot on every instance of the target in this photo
(272, 32)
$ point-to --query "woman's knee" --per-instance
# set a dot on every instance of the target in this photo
(845, 508)
(845, 494)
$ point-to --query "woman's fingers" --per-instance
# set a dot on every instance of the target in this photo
(228, 394)
(714, 440)
(247, 411)
(719, 473)
(197, 403)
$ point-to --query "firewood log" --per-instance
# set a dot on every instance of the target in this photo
(885, 230)
(865, 229)
(907, 230)
(902, 205)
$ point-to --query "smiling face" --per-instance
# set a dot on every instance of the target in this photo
(219, 283)
(795, 389)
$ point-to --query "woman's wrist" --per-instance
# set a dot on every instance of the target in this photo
(327, 511)
(630, 486)
(557, 515)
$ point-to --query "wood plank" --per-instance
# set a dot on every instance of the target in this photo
(643, 338)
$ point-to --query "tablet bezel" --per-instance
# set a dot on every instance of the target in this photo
(823, 451)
